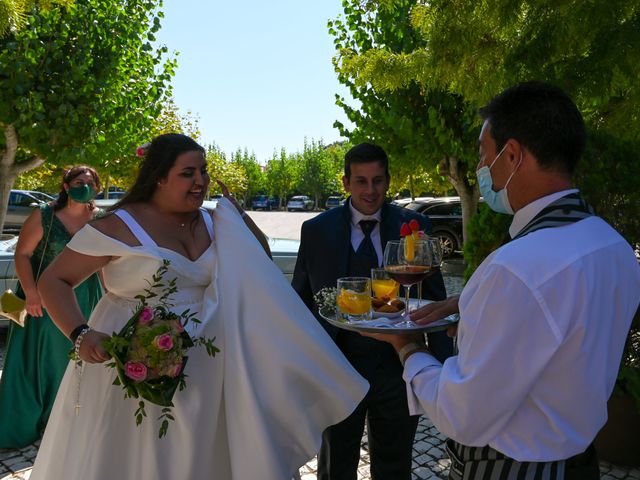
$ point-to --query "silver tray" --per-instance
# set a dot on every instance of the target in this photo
(386, 325)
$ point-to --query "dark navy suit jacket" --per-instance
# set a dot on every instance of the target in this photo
(323, 257)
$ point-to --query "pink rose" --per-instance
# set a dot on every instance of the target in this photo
(178, 327)
(136, 371)
(176, 370)
(163, 342)
(146, 315)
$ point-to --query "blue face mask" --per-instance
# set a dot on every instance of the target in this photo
(497, 201)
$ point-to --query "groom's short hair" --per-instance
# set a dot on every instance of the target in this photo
(365, 153)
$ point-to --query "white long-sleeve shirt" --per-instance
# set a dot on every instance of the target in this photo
(543, 322)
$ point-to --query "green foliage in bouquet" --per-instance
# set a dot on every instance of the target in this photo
(326, 299)
(149, 352)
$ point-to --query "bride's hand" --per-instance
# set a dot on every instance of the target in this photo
(91, 350)
(228, 196)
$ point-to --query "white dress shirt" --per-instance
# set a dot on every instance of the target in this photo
(357, 235)
(543, 322)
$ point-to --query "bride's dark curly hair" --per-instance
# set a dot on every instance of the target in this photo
(159, 157)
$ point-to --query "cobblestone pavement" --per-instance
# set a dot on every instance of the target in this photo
(429, 458)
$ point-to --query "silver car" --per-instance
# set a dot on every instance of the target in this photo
(21, 204)
(8, 277)
(300, 202)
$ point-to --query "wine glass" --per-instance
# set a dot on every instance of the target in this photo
(408, 261)
(436, 261)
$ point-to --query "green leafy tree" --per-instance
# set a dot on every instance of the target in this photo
(317, 172)
(81, 84)
(13, 13)
(256, 179)
(119, 172)
(335, 153)
(281, 175)
(230, 173)
(424, 129)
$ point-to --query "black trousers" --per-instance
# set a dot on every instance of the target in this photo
(390, 428)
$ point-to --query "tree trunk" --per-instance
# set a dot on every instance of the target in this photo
(105, 186)
(457, 173)
(9, 170)
(411, 187)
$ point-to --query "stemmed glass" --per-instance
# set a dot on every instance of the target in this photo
(408, 263)
(435, 244)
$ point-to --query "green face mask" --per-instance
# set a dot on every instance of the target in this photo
(82, 194)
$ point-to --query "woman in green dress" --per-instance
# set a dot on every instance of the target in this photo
(37, 354)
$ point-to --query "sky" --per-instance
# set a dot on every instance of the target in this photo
(257, 74)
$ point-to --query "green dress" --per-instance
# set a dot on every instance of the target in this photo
(37, 355)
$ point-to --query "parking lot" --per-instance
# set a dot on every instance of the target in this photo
(281, 224)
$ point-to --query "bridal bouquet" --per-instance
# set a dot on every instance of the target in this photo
(149, 353)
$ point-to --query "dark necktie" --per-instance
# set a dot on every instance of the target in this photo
(366, 249)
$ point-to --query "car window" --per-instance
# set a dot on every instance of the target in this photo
(418, 206)
(445, 209)
(42, 196)
(20, 199)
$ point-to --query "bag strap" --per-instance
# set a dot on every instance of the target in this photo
(46, 242)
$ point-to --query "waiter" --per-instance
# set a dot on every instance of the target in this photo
(543, 320)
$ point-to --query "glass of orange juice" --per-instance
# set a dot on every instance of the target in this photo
(383, 285)
(354, 298)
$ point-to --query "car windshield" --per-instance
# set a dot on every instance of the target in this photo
(298, 198)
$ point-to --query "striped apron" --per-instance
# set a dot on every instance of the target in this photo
(486, 463)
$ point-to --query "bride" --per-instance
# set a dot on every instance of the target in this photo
(256, 410)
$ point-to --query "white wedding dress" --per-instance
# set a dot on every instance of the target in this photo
(255, 411)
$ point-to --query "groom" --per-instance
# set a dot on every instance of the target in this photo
(349, 241)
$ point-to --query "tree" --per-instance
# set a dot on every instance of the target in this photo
(80, 84)
(477, 48)
(230, 173)
(335, 153)
(281, 175)
(422, 128)
(473, 49)
(317, 173)
(13, 13)
(122, 170)
(256, 181)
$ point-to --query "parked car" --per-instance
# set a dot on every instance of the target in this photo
(112, 194)
(446, 220)
(403, 202)
(264, 202)
(8, 277)
(333, 201)
(21, 204)
(299, 202)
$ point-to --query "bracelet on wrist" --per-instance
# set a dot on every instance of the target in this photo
(77, 331)
(78, 342)
(412, 347)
